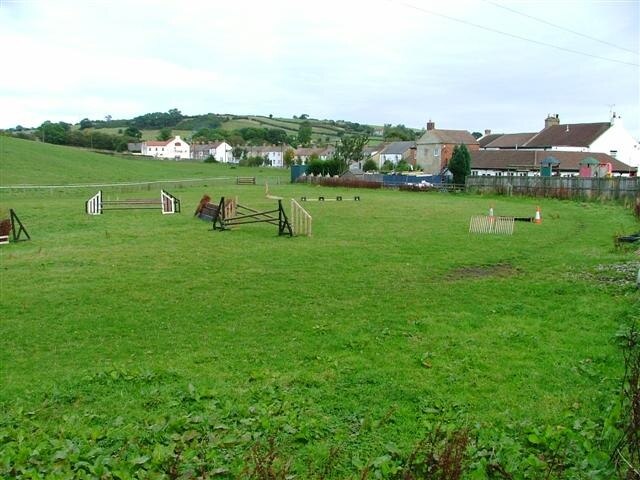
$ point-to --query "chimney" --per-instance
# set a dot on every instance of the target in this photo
(431, 125)
(552, 120)
(487, 131)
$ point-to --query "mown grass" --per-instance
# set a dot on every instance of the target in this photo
(135, 343)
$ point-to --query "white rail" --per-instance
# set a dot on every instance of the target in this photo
(496, 225)
(301, 221)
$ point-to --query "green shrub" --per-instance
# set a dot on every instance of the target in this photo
(370, 165)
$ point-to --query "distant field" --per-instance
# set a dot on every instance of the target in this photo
(35, 163)
(134, 344)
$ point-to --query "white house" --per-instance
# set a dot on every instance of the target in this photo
(175, 149)
(273, 154)
(610, 138)
(221, 151)
(397, 151)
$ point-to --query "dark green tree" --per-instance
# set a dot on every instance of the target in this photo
(53, 133)
(276, 136)
(398, 133)
(304, 132)
(476, 135)
(164, 134)
(85, 123)
(460, 164)
(133, 132)
(370, 165)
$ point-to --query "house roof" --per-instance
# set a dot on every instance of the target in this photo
(262, 149)
(509, 140)
(448, 136)
(568, 135)
(157, 143)
(488, 139)
(532, 159)
(308, 151)
(398, 148)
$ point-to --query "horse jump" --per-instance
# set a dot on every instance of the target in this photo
(243, 215)
(8, 230)
(167, 204)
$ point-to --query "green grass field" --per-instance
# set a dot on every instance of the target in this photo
(137, 345)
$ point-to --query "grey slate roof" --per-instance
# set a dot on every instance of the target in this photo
(568, 135)
(509, 140)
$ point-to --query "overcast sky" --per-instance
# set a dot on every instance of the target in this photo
(376, 61)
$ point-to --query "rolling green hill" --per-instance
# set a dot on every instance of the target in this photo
(35, 163)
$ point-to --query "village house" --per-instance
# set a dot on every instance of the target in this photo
(175, 149)
(396, 151)
(530, 163)
(610, 138)
(303, 154)
(221, 151)
(273, 154)
(435, 147)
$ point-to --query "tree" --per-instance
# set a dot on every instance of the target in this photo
(304, 132)
(239, 153)
(289, 157)
(85, 123)
(477, 135)
(107, 118)
(460, 164)
(276, 136)
(398, 133)
(164, 134)
(403, 166)
(350, 150)
(133, 132)
(53, 132)
(370, 165)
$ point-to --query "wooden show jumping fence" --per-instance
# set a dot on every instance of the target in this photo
(245, 180)
(243, 215)
(8, 230)
(208, 211)
(301, 221)
(167, 204)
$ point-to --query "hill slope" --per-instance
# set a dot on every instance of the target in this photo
(35, 163)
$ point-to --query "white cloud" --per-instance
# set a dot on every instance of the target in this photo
(386, 61)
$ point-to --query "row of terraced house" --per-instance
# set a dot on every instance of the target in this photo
(566, 149)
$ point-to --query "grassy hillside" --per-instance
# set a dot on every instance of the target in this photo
(137, 345)
(35, 163)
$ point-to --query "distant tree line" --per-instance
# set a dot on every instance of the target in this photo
(205, 128)
(62, 133)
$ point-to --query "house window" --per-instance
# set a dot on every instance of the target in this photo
(436, 152)
(613, 153)
(178, 144)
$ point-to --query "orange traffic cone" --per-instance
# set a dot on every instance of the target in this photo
(538, 217)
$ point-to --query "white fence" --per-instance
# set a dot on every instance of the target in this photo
(301, 221)
(497, 225)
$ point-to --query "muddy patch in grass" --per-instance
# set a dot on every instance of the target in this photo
(482, 271)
